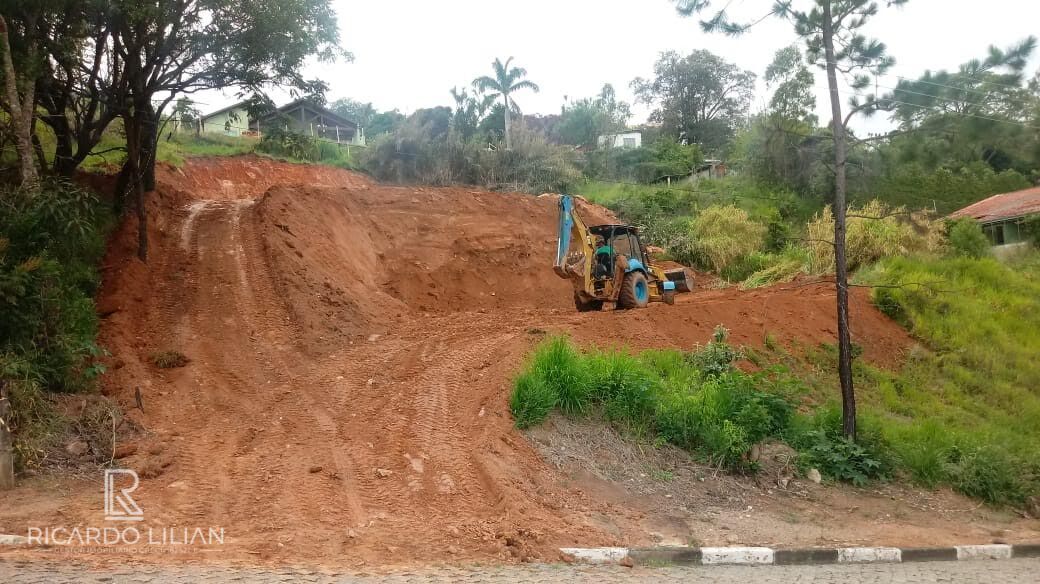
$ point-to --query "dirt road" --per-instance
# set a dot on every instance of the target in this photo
(350, 348)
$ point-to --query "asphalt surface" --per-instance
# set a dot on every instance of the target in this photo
(1005, 572)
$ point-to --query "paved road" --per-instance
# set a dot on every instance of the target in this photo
(1004, 572)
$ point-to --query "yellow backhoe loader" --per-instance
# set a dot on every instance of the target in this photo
(608, 263)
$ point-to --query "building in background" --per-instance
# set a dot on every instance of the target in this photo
(632, 139)
(1002, 218)
(232, 120)
(300, 117)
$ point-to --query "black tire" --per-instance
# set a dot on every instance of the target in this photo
(590, 306)
(635, 291)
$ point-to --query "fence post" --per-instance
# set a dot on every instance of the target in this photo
(6, 441)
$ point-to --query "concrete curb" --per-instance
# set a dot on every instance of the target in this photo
(755, 556)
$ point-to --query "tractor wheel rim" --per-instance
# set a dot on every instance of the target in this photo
(641, 291)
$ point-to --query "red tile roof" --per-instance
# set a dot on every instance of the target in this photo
(1006, 206)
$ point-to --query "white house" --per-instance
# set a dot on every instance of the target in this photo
(623, 140)
(230, 121)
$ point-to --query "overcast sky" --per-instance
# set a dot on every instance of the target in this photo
(409, 53)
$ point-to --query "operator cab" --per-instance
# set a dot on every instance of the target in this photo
(612, 241)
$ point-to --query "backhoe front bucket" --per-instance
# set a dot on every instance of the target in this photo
(678, 275)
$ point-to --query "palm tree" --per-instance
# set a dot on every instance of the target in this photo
(504, 83)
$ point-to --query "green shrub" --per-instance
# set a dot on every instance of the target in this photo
(421, 152)
(280, 142)
(924, 449)
(823, 446)
(887, 301)
(1031, 229)
(722, 418)
(531, 400)
(719, 414)
(564, 372)
(50, 243)
(967, 239)
(671, 367)
(717, 357)
(840, 458)
(743, 268)
(626, 386)
(988, 473)
(778, 268)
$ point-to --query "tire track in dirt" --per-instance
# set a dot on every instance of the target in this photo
(271, 338)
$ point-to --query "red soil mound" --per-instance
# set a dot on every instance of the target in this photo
(355, 260)
(249, 176)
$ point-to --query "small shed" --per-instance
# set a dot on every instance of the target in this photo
(1002, 216)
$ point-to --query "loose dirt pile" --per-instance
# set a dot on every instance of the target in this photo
(351, 346)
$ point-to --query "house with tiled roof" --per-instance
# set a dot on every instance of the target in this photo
(1002, 218)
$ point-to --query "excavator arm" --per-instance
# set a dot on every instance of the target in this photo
(571, 227)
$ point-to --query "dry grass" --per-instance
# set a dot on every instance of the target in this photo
(723, 235)
(169, 359)
(874, 232)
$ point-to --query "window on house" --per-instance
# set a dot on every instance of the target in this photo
(1012, 233)
(629, 142)
(995, 233)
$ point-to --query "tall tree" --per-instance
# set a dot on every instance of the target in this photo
(167, 48)
(18, 98)
(780, 146)
(469, 111)
(832, 33)
(505, 82)
(583, 121)
(982, 111)
(354, 110)
(699, 98)
(792, 83)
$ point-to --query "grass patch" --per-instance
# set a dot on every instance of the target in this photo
(168, 359)
(966, 413)
(697, 401)
(176, 147)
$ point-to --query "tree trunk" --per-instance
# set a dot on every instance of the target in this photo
(63, 164)
(122, 185)
(841, 276)
(149, 146)
(134, 154)
(6, 441)
(20, 108)
(509, 141)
